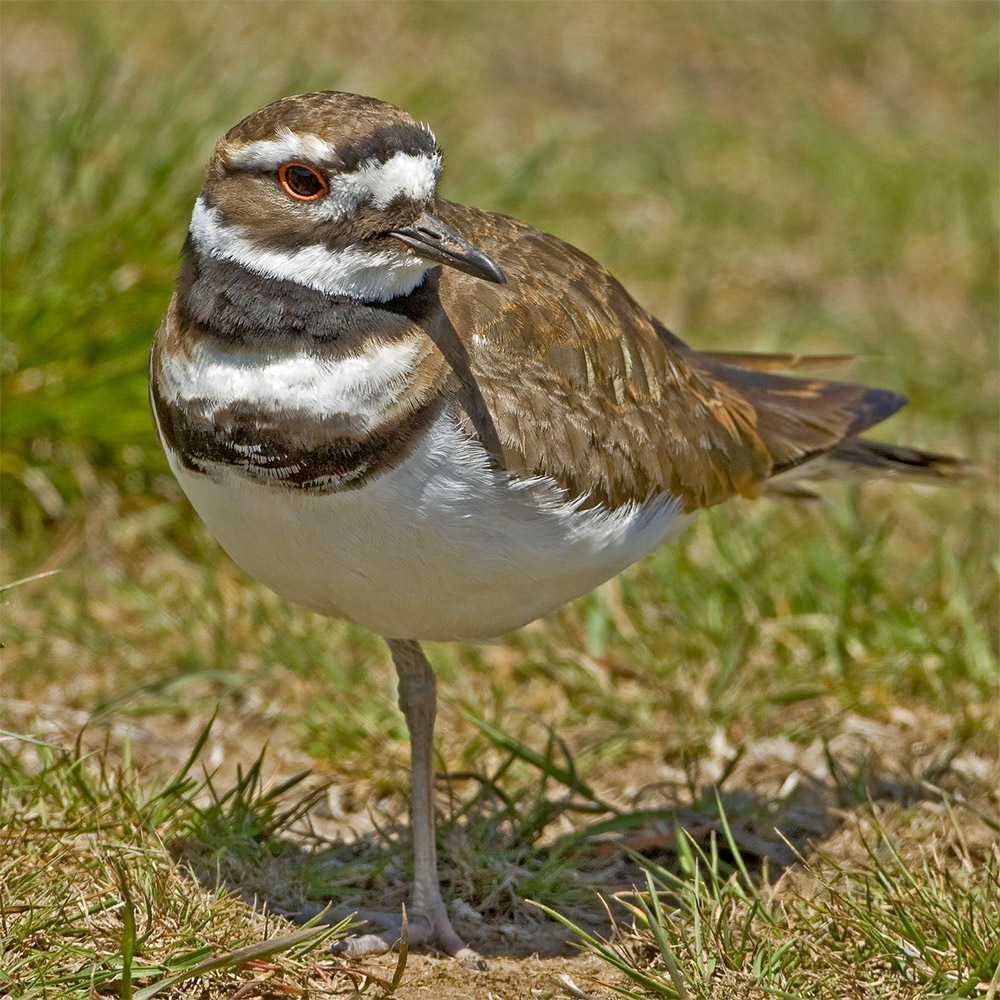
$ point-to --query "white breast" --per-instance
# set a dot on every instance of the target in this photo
(440, 547)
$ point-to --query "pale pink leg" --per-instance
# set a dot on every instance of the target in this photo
(427, 918)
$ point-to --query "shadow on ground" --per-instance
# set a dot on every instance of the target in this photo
(285, 850)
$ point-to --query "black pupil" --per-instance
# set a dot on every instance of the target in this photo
(303, 181)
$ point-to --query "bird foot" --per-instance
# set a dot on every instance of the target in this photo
(431, 927)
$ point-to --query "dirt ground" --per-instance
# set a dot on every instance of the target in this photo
(429, 978)
(780, 797)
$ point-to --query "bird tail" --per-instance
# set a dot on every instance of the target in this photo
(860, 459)
(812, 427)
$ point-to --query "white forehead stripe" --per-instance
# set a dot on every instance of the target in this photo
(371, 276)
(410, 175)
(405, 174)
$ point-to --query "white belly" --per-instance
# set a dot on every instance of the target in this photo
(440, 547)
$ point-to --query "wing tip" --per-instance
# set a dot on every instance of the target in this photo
(876, 405)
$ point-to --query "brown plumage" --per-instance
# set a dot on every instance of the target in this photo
(562, 374)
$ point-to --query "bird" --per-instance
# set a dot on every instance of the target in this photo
(441, 423)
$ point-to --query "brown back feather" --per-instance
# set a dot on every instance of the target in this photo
(562, 374)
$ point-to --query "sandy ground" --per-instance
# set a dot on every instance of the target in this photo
(504, 978)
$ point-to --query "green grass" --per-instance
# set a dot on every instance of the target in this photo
(810, 177)
(886, 921)
(94, 901)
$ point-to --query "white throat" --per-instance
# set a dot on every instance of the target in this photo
(371, 276)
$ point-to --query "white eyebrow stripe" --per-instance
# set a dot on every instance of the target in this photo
(268, 154)
(371, 276)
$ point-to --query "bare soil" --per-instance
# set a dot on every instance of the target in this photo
(781, 798)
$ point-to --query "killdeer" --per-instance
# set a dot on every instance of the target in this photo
(439, 422)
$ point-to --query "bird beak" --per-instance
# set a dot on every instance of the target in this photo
(432, 239)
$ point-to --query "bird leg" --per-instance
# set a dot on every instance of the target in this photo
(427, 918)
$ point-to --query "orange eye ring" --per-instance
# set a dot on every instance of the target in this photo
(302, 182)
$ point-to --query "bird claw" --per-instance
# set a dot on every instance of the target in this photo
(421, 929)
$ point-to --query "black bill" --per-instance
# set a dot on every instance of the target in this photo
(432, 239)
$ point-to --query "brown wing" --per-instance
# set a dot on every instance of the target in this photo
(562, 374)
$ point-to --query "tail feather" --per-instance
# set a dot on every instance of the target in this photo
(799, 419)
(859, 459)
(752, 361)
(895, 459)
(811, 427)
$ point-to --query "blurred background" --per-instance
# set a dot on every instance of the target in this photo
(814, 177)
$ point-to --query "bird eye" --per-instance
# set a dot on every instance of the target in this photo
(302, 181)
